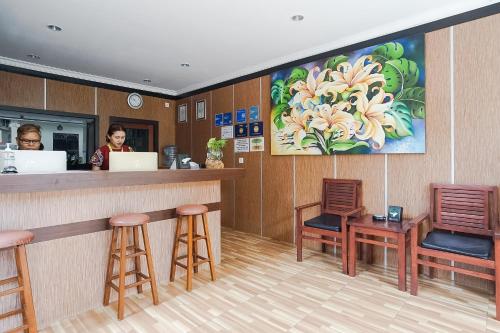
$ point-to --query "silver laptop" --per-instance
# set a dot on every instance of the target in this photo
(119, 161)
(38, 161)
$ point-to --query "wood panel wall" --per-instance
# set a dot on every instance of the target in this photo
(69, 97)
(466, 106)
(21, 90)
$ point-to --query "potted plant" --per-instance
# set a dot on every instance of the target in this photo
(214, 153)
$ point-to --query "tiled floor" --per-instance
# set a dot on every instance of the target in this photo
(261, 288)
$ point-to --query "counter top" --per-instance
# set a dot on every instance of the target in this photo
(15, 183)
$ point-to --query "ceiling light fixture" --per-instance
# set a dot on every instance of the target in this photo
(185, 64)
(146, 80)
(33, 56)
(297, 18)
(54, 27)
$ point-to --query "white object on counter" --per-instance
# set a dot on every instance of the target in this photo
(128, 161)
(38, 161)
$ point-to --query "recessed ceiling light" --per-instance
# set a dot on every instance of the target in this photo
(185, 64)
(297, 18)
(33, 56)
(54, 27)
(146, 80)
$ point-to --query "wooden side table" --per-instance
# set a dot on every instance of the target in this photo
(367, 228)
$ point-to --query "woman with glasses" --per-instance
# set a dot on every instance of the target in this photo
(29, 137)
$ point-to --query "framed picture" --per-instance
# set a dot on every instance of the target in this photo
(182, 113)
(395, 214)
(200, 110)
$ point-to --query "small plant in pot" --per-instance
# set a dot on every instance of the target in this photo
(214, 153)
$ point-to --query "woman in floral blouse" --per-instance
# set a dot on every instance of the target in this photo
(115, 139)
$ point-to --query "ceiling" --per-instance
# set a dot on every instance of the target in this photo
(123, 42)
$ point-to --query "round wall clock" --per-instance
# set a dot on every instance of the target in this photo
(134, 100)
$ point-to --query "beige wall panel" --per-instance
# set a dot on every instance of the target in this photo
(21, 90)
(277, 181)
(309, 174)
(114, 103)
(69, 97)
(477, 97)
(202, 129)
(183, 130)
(222, 102)
(248, 189)
(409, 175)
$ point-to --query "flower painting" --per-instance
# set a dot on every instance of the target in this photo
(363, 102)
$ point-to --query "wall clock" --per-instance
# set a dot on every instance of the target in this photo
(134, 100)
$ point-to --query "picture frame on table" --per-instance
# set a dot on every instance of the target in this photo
(201, 112)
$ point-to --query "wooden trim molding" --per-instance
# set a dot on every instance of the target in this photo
(15, 183)
(44, 234)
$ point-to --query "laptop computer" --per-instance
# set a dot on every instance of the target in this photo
(38, 161)
(133, 161)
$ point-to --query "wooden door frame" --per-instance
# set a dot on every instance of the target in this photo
(131, 121)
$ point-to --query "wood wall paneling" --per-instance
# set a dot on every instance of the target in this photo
(114, 103)
(409, 175)
(277, 181)
(477, 96)
(248, 189)
(201, 128)
(222, 102)
(183, 130)
(21, 90)
(69, 97)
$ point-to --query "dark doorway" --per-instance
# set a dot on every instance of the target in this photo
(142, 135)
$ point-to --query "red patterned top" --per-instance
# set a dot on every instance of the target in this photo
(101, 155)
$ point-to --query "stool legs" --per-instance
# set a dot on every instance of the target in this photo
(209, 247)
(193, 260)
(122, 258)
(23, 279)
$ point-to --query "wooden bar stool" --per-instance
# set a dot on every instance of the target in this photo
(122, 223)
(16, 239)
(190, 239)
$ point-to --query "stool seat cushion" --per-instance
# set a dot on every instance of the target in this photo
(468, 245)
(129, 220)
(191, 209)
(10, 238)
(325, 222)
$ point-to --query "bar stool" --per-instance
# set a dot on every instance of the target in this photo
(121, 223)
(16, 239)
(190, 239)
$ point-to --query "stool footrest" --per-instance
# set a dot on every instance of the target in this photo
(117, 276)
(201, 260)
(18, 329)
(131, 255)
(195, 238)
(9, 280)
(11, 291)
(132, 285)
(10, 313)
(128, 248)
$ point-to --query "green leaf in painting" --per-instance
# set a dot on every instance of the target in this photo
(388, 51)
(309, 140)
(333, 62)
(279, 92)
(414, 98)
(404, 125)
(297, 74)
(350, 146)
(400, 73)
(277, 112)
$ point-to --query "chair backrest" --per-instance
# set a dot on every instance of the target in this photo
(464, 208)
(341, 195)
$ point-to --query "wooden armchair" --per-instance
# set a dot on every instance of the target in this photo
(341, 199)
(464, 227)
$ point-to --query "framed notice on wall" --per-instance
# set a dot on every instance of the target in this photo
(200, 110)
(182, 113)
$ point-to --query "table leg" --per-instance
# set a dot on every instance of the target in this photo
(352, 251)
(402, 262)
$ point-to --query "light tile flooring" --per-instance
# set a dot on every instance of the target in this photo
(261, 288)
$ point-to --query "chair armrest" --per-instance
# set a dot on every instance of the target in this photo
(414, 223)
(348, 213)
(299, 208)
(497, 230)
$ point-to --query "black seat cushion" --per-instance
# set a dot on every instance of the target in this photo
(325, 221)
(469, 245)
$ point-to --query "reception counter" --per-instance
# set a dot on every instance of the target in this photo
(68, 213)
